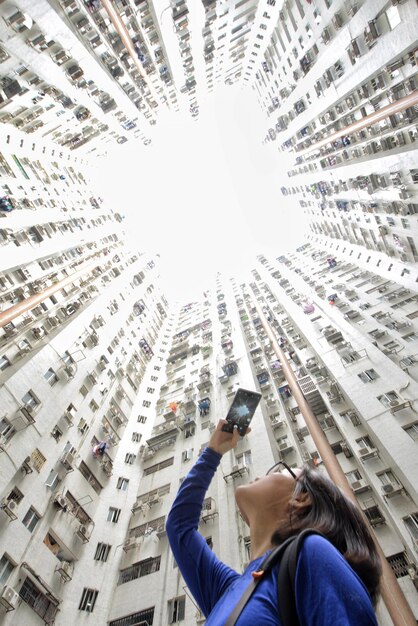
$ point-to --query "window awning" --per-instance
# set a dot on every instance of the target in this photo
(39, 582)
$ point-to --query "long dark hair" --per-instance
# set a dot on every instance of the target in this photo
(331, 513)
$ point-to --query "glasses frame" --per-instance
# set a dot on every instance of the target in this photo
(285, 465)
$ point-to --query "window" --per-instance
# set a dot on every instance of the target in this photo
(365, 442)
(389, 399)
(353, 476)
(93, 406)
(51, 377)
(6, 567)
(16, 495)
(399, 564)
(6, 430)
(158, 466)
(140, 569)
(88, 600)
(373, 513)
(352, 415)
(368, 376)
(142, 617)
(136, 437)
(186, 455)
(89, 476)
(30, 399)
(102, 552)
(244, 459)
(141, 419)
(411, 523)
(113, 515)
(412, 431)
(189, 431)
(123, 484)
(45, 607)
(31, 519)
(176, 610)
(388, 478)
(38, 460)
(150, 389)
(410, 337)
(4, 362)
(56, 433)
(130, 458)
(52, 480)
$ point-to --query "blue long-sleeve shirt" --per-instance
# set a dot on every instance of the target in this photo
(328, 592)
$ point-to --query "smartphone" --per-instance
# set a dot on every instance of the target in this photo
(241, 411)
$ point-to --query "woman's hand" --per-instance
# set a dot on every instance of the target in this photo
(221, 441)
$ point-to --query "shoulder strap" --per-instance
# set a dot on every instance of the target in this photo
(286, 586)
(267, 564)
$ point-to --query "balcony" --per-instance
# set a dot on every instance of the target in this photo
(163, 435)
(209, 511)
(237, 471)
(365, 453)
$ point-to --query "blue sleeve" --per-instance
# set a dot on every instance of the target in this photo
(328, 591)
(206, 576)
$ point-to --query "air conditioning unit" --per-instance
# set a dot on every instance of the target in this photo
(129, 544)
(388, 488)
(60, 501)
(8, 505)
(67, 459)
(83, 532)
(27, 466)
(358, 485)
(69, 371)
(235, 469)
(154, 500)
(393, 402)
(66, 567)
(137, 506)
(363, 451)
(9, 598)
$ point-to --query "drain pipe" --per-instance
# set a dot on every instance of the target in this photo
(29, 303)
(392, 595)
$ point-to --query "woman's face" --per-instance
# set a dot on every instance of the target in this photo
(269, 495)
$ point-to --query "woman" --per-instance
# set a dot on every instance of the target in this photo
(337, 580)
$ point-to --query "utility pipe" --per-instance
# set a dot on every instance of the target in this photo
(29, 303)
(390, 109)
(124, 35)
(393, 597)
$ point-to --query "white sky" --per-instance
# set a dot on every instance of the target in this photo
(205, 194)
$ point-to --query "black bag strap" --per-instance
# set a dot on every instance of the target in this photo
(288, 583)
(270, 560)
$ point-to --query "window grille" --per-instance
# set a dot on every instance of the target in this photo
(102, 552)
(145, 616)
(88, 600)
(140, 569)
(43, 607)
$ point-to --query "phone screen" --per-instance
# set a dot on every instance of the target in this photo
(241, 411)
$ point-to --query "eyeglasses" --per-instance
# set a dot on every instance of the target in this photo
(285, 465)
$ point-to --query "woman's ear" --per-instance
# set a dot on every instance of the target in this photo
(301, 501)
